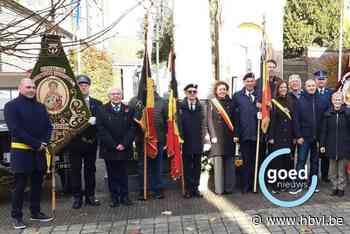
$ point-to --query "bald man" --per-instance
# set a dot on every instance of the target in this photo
(116, 131)
(30, 130)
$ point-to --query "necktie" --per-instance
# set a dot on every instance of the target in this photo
(116, 108)
(322, 91)
(87, 103)
(193, 107)
(251, 98)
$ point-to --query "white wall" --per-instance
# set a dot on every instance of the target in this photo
(192, 45)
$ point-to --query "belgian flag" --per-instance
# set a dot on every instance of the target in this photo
(173, 136)
(144, 109)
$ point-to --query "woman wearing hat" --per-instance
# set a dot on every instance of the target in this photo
(221, 131)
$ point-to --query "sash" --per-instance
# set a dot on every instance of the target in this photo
(22, 146)
(285, 110)
(16, 145)
(222, 113)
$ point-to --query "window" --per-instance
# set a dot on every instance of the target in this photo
(6, 95)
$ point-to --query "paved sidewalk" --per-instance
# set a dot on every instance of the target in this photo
(216, 223)
(235, 213)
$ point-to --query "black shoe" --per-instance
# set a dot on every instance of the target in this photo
(197, 194)
(41, 217)
(159, 196)
(18, 224)
(340, 193)
(92, 201)
(187, 195)
(114, 203)
(77, 203)
(334, 192)
(141, 196)
(126, 202)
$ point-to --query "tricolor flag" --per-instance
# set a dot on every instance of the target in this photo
(266, 97)
(144, 109)
(173, 136)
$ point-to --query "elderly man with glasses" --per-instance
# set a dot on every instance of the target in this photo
(116, 131)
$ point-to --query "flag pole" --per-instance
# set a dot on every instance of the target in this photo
(145, 169)
(49, 151)
(340, 39)
(262, 72)
(257, 156)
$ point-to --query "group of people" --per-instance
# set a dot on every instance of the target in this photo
(313, 120)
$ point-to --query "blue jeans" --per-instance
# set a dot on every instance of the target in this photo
(154, 171)
(303, 151)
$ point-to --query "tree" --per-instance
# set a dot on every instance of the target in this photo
(98, 65)
(312, 23)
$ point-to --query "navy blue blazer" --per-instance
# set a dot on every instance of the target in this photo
(28, 122)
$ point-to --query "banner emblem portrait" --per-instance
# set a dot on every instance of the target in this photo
(58, 91)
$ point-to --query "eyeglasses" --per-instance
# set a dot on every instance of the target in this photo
(115, 94)
(192, 91)
(30, 87)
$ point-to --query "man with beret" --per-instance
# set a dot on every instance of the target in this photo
(82, 150)
(245, 106)
(194, 130)
(28, 144)
(321, 77)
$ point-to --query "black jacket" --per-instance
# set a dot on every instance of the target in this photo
(246, 116)
(28, 123)
(115, 128)
(218, 129)
(281, 128)
(335, 135)
(309, 112)
(193, 127)
(86, 141)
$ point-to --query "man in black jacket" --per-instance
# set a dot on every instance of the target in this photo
(308, 117)
(325, 92)
(28, 143)
(83, 150)
(245, 104)
(116, 130)
(194, 130)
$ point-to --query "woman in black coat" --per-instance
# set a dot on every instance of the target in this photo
(281, 131)
(221, 135)
(116, 132)
(335, 142)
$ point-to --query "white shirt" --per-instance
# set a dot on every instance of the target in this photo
(191, 105)
(250, 94)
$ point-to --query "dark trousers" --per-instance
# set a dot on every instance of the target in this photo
(283, 162)
(36, 180)
(154, 171)
(192, 171)
(248, 150)
(77, 159)
(117, 179)
(324, 166)
(303, 151)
